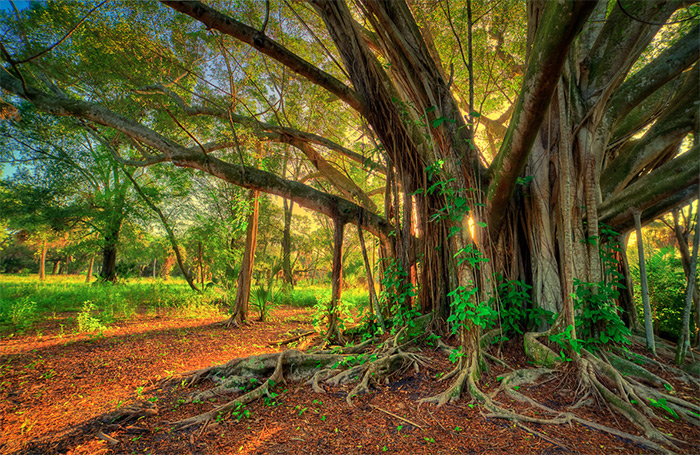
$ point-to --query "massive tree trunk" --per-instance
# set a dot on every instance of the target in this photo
(245, 276)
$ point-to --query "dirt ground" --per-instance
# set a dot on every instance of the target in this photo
(59, 393)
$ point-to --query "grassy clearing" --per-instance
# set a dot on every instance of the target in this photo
(24, 300)
(309, 296)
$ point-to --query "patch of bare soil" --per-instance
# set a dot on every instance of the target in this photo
(64, 395)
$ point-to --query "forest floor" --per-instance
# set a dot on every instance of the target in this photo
(58, 392)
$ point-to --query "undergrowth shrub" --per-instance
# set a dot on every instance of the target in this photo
(87, 322)
(21, 313)
(667, 284)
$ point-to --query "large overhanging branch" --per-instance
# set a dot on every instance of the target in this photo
(340, 181)
(244, 176)
(645, 113)
(656, 193)
(621, 42)
(227, 25)
(669, 128)
(561, 22)
(258, 126)
(653, 76)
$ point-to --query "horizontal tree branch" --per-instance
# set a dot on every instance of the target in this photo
(259, 126)
(658, 72)
(669, 129)
(180, 155)
(656, 193)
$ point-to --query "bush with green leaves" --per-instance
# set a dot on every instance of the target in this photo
(516, 313)
(20, 313)
(86, 321)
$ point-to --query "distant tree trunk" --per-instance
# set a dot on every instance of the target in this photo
(42, 261)
(245, 276)
(333, 334)
(287, 244)
(56, 266)
(648, 322)
(88, 276)
(109, 253)
(684, 341)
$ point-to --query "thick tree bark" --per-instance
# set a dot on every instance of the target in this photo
(648, 317)
(245, 276)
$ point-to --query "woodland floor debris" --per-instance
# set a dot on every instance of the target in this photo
(69, 393)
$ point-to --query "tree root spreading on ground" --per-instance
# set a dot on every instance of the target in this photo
(608, 379)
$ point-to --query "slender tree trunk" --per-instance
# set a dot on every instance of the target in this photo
(56, 267)
(684, 341)
(201, 264)
(171, 237)
(629, 309)
(88, 276)
(333, 334)
(42, 261)
(685, 260)
(648, 322)
(245, 276)
(287, 244)
(373, 301)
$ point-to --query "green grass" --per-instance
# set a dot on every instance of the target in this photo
(25, 299)
(308, 296)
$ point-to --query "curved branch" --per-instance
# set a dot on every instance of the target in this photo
(658, 192)
(621, 41)
(668, 130)
(227, 25)
(653, 76)
(261, 126)
(561, 23)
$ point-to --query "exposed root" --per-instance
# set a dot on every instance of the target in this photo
(222, 411)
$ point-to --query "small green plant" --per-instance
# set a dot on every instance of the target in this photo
(86, 321)
(22, 313)
(662, 404)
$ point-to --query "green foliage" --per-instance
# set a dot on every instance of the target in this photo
(21, 313)
(262, 301)
(397, 290)
(598, 322)
(517, 313)
(86, 321)
(667, 284)
(481, 314)
(565, 340)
